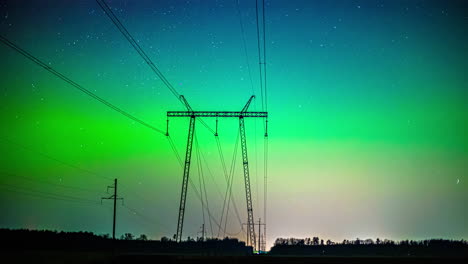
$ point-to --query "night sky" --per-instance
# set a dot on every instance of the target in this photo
(367, 102)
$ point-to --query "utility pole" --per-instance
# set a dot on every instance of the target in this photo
(115, 198)
(260, 242)
(203, 232)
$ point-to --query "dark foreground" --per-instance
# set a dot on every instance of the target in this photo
(53, 257)
(33, 246)
(278, 259)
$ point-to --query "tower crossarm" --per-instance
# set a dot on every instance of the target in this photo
(237, 114)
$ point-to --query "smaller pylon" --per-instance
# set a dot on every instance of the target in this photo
(115, 198)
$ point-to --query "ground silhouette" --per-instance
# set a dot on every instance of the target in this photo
(34, 246)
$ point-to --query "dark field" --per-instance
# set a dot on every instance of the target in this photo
(33, 246)
(107, 257)
(277, 259)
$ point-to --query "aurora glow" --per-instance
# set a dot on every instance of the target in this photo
(367, 99)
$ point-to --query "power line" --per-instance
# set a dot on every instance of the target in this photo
(264, 56)
(227, 177)
(259, 55)
(230, 178)
(263, 84)
(241, 24)
(148, 220)
(265, 185)
(197, 193)
(48, 182)
(77, 86)
(176, 153)
(108, 11)
(46, 195)
(265, 170)
(48, 156)
(253, 92)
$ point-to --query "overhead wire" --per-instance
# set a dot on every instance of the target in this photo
(76, 85)
(244, 42)
(265, 170)
(108, 11)
(227, 178)
(149, 220)
(46, 195)
(225, 173)
(229, 185)
(210, 173)
(198, 195)
(200, 166)
(200, 184)
(116, 21)
(229, 188)
(48, 156)
(259, 55)
(264, 57)
(262, 60)
(94, 191)
(176, 153)
(241, 24)
(265, 186)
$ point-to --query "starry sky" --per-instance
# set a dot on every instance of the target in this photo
(367, 103)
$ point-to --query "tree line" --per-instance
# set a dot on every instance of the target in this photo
(24, 239)
(369, 247)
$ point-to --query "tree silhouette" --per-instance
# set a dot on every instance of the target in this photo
(142, 237)
(315, 241)
(127, 236)
(367, 247)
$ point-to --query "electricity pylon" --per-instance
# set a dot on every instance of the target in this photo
(188, 154)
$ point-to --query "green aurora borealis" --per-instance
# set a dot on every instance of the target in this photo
(367, 101)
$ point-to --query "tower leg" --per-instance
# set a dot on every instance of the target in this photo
(183, 193)
(245, 162)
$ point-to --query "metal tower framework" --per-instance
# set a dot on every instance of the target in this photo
(251, 238)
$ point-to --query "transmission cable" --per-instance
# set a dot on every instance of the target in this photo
(229, 180)
(198, 195)
(229, 187)
(264, 56)
(148, 220)
(201, 175)
(227, 177)
(263, 84)
(94, 191)
(108, 11)
(259, 55)
(77, 86)
(239, 14)
(203, 158)
(241, 24)
(266, 123)
(200, 184)
(48, 156)
(42, 194)
(265, 184)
